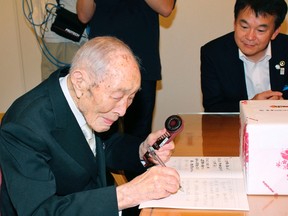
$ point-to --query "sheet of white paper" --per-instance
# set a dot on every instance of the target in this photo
(208, 183)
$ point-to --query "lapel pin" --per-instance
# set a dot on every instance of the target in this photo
(281, 67)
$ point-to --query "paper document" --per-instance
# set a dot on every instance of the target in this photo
(208, 183)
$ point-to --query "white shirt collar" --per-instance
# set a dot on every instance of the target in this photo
(268, 53)
(78, 115)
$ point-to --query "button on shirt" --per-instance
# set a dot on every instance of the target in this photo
(257, 75)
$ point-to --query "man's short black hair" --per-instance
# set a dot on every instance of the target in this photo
(277, 8)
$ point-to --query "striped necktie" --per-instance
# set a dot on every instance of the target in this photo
(90, 137)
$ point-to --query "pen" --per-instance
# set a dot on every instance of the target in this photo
(155, 156)
(152, 152)
(285, 88)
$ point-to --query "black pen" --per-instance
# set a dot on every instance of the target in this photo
(152, 152)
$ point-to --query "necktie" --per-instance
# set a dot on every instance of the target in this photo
(90, 137)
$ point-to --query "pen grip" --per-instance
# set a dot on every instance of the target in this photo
(156, 157)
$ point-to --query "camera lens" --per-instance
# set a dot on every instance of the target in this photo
(173, 123)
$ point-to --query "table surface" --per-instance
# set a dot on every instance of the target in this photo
(1, 115)
(217, 135)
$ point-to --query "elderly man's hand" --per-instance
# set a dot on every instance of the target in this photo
(158, 182)
(164, 152)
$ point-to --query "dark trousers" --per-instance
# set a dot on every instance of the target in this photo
(138, 118)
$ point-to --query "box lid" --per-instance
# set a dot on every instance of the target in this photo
(264, 111)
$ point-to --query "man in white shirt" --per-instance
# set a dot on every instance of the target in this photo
(249, 63)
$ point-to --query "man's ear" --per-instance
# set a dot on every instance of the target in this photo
(78, 82)
(276, 32)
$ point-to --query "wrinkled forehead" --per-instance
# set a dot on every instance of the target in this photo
(122, 57)
(123, 69)
(116, 64)
(123, 63)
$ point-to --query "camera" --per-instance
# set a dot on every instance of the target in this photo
(174, 125)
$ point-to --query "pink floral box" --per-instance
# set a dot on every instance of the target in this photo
(264, 146)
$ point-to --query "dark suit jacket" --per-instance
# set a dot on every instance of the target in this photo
(47, 165)
(222, 72)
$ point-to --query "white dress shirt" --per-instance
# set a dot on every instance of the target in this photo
(87, 131)
(257, 73)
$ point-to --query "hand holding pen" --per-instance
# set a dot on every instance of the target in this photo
(153, 154)
(156, 183)
(159, 182)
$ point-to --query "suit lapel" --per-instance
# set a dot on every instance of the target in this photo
(69, 134)
(74, 143)
(276, 79)
(101, 163)
(235, 67)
